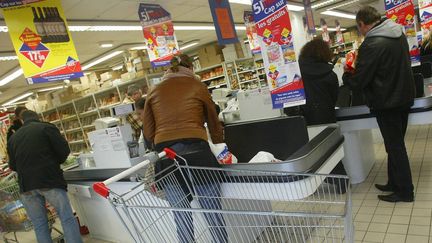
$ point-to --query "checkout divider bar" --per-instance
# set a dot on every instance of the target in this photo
(101, 187)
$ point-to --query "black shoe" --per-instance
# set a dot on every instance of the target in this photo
(384, 188)
(395, 198)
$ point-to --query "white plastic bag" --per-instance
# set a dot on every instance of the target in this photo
(222, 154)
(263, 157)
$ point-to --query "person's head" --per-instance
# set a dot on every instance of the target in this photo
(139, 107)
(29, 115)
(18, 112)
(318, 50)
(134, 92)
(366, 18)
(181, 60)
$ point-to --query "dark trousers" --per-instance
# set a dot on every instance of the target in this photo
(393, 126)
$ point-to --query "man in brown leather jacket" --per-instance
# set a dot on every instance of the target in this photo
(174, 116)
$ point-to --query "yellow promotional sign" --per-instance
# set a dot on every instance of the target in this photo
(41, 39)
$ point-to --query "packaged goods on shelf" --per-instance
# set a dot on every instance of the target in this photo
(128, 76)
(111, 75)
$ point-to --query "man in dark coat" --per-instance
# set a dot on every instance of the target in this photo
(383, 73)
(36, 151)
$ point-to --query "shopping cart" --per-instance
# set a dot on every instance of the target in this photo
(240, 206)
(13, 217)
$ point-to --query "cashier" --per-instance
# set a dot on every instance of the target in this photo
(133, 95)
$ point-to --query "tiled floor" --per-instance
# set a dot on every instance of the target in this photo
(377, 221)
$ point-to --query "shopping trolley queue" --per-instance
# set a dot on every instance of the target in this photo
(313, 150)
(356, 124)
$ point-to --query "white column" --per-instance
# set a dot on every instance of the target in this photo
(298, 31)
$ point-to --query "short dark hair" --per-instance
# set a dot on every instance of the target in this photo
(182, 60)
(368, 15)
(318, 50)
(29, 115)
(19, 110)
(139, 105)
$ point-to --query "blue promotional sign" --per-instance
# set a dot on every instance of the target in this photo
(389, 4)
(310, 23)
(277, 47)
(223, 21)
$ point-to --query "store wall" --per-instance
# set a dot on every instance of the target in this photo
(298, 31)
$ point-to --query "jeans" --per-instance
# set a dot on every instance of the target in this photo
(393, 125)
(34, 202)
(208, 198)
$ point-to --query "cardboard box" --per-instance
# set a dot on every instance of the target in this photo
(109, 76)
(94, 76)
(141, 73)
(128, 76)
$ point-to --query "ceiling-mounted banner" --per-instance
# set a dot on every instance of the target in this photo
(276, 39)
(324, 29)
(403, 13)
(41, 39)
(339, 35)
(425, 8)
(223, 21)
(159, 34)
(251, 32)
(309, 17)
(309, 36)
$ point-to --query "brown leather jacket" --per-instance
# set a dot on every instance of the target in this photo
(177, 109)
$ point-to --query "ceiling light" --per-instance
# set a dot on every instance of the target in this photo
(343, 4)
(189, 45)
(331, 29)
(106, 44)
(51, 89)
(136, 48)
(321, 4)
(8, 58)
(102, 59)
(291, 7)
(18, 98)
(11, 77)
(117, 67)
(339, 14)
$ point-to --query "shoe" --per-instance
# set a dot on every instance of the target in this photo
(384, 188)
(395, 198)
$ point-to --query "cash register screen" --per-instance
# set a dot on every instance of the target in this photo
(122, 110)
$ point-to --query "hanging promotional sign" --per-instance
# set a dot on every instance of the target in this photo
(276, 40)
(41, 39)
(425, 9)
(339, 35)
(159, 35)
(309, 17)
(223, 21)
(403, 13)
(251, 32)
(309, 36)
(324, 28)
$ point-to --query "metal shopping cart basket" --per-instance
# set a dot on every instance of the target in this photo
(226, 205)
(13, 217)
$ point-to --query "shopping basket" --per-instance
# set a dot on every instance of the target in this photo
(13, 217)
(227, 205)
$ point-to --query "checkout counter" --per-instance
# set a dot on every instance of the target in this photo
(356, 124)
(301, 149)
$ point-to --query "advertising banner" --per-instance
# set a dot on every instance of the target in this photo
(276, 39)
(403, 13)
(339, 35)
(42, 41)
(310, 23)
(251, 32)
(309, 36)
(425, 8)
(223, 21)
(324, 28)
(159, 35)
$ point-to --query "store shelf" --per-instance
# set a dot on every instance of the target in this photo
(208, 68)
(77, 142)
(54, 121)
(88, 126)
(88, 113)
(109, 106)
(261, 68)
(76, 129)
(70, 118)
(343, 44)
(217, 86)
(213, 78)
(248, 81)
(246, 71)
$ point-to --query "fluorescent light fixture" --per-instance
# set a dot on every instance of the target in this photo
(136, 48)
(102, 59)
(18, 98)
(8, 58)
(194, 27)
(331, 29)
(117, 67)
(339, 14)
(291, 7)
(106, 44)
(11, 77)
(343, 4)
(189, 45)
(51, 89)
(321, 4)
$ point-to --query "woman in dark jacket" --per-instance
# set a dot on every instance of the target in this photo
(321, 83)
